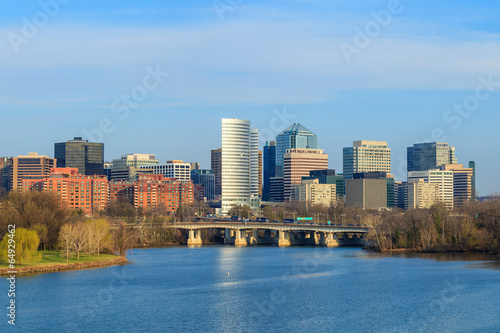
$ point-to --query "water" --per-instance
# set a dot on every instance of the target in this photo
(264, 289)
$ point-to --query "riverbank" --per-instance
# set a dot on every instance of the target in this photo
(53, 262)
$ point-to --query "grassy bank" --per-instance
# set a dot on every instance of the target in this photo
(53, 261)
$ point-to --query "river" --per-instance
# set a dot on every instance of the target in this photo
(265, 289)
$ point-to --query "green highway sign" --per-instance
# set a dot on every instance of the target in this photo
(305, 219)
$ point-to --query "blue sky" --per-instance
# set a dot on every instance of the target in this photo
(252, 60)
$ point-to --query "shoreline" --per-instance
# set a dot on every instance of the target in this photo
(64, 267)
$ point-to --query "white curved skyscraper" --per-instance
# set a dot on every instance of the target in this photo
(238, 163)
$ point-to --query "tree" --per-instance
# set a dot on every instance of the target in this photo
(66, 239)
(27, 209)
(124, 238)
(24, 247)
(42, 231)
(101, 237)
(80, 238)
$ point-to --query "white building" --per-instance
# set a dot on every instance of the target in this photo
(173, 169)
(366, 156)
(314, 193)
(240, 163)
(421, 194)
(135, 160)
(443, 178)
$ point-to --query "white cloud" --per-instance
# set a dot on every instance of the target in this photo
(235, 62)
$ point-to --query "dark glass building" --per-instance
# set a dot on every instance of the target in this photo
(207, 179)
(269, 168)
(88, 157)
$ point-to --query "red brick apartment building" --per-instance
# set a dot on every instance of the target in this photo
(87, 193)
(92, 194)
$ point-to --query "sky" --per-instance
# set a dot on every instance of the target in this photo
(158, 76)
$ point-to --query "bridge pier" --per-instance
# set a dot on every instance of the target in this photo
(331, 240)
(319, 239)
(284, 239)
(195, 238)
(241, 238)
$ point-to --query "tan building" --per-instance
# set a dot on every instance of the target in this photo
(366, 156)
(421, 194)
(442, 177)
(314, 193)
(298, 164)
(366, 193)
(462, 183)
(30, 165)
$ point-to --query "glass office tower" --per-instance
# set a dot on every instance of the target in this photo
(87, 157)
(296, 136)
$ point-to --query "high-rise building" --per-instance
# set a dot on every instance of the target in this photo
(298, 164)
(30, 165)
(216, 166)
(175, 169)
(366, 156)
(157, 192)
(5, 173)
(420, 194)
(128, 167)
(430, 155)
(135, 160)
(90, 194)
(239, 163)
(87, 157)
(371, 193)
(260, 173)
(441, 177)
(472, 165)
(462, 183)
(276, 189)
(195, 165)
(269, 156)
(254, 162)
(294, 137)
(314, 193)
(207, 179)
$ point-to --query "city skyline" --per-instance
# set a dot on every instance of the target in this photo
(420, 77)
(335, 158)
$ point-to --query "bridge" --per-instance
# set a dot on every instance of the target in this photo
(282, 234)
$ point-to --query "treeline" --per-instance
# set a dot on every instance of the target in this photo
(475, 228)
(51, 227)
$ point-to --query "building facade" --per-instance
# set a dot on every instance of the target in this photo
(87, 157)
(207, 179)
(366, 193)
(176, 169)
(366, 156)
(277, 189)
(294, 137)
(462, 184)
(216, 166)
(329, 177)
(314, 193)
(239, 164)
(89, 194)
(421, 195)
(298, 164)
(430, 155)
(436, 176)
(269, 156)
(30, 165)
